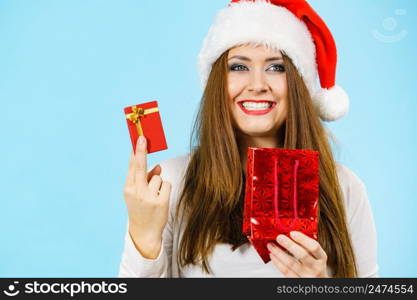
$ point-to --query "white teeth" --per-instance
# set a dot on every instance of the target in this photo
(257, 106)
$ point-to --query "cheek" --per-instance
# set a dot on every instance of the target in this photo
(280, 87)
(235, 85)
(280, 91)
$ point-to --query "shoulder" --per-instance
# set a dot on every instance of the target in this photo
(360, 221)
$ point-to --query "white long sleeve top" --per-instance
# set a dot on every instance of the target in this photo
(245, 261)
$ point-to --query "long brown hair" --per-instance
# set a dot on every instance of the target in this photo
(212, 195)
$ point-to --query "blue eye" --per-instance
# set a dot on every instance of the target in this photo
(278, 68)
(275, 68)
(237, 67)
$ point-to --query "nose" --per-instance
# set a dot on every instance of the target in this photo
(258, 83)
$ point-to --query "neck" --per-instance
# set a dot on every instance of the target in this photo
(246, 141)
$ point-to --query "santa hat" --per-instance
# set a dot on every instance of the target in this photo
(291, 26)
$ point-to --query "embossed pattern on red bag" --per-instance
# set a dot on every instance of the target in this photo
(282, 192)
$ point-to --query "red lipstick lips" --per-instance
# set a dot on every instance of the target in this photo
(257, 112)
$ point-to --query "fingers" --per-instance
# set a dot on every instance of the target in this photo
(296, 250)
(130, 180)
(155, 184)
(310, 244)
(141, 164)
(288, 265)
(165, 190)
(284, 270)
(155, 171)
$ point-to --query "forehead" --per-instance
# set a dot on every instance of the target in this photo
(254, 51)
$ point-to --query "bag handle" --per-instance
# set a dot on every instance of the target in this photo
(295, 198)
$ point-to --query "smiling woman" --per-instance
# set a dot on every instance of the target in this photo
(259, 91)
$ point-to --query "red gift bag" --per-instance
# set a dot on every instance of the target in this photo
(281, 195)
(144, 119)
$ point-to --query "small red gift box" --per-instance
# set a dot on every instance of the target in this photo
(144, 119)
(281, 195)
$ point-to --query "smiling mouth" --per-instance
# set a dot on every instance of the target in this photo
(257, 107)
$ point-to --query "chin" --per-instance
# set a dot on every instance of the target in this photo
(256, 132)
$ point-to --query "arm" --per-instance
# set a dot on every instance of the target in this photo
(361, 226)
(134, 264)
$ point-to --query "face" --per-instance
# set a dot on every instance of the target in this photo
(257, 87)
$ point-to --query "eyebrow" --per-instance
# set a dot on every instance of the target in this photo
(248, 59)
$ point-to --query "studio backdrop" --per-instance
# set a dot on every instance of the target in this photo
(68, 68)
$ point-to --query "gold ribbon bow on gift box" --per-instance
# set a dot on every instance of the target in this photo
(137, 113)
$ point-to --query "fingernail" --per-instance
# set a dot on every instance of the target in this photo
(142, 142)
(280, 238)
(295, 234)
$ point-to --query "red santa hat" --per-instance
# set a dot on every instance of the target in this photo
(291, 26)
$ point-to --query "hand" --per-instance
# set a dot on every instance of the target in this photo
(306, 259)
(147, 201)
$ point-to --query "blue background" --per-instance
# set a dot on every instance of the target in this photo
(67, 69)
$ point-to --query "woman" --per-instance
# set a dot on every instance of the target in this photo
(259, 65)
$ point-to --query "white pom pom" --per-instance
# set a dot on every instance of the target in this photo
(332, 103)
